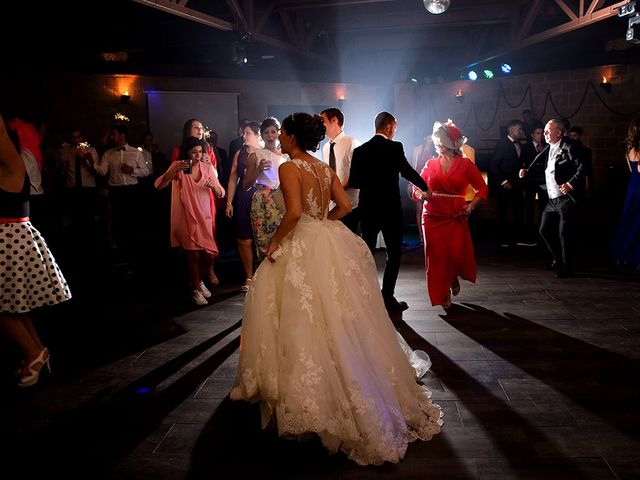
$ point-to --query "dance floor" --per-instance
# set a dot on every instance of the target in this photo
(538, 378)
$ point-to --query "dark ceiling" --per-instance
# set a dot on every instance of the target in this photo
(341, 40)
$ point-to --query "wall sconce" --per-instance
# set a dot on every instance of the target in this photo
(460, 96)
(604, 85)
(125, 97)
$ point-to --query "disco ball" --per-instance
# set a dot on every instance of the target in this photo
(436, 6)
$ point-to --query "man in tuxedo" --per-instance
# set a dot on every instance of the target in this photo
(505, 164)
(375, 167)
(575, 134)
(560, 167)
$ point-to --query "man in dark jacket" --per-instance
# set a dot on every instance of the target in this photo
(560, 167)
(375, 167)
(507, 160)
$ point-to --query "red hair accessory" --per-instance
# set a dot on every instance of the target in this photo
(453, 132)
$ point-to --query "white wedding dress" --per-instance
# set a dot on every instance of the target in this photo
(318, 350)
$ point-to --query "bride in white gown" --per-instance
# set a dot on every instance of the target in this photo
(318, 350)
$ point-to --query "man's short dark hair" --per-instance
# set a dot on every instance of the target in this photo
(334, 113)
(383, 119)
(513, 123)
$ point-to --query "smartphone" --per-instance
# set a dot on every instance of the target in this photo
(188, 170)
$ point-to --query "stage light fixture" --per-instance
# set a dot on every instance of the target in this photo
(460, 96)
(487, 73)
(436, 6)
(414, 81)
(605, 85)
(506, 68)
(628, 10)
(472, 75)
(125, 97)
(632, 36)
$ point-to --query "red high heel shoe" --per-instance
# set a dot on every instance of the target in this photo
(31, 373)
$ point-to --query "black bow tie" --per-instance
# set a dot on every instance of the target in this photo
(122, 149)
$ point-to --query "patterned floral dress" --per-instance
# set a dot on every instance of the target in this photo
(318, 350)
(265, 215)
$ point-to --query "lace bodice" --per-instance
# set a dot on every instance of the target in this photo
(316, 187)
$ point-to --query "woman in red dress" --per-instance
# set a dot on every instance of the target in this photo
(448, 247)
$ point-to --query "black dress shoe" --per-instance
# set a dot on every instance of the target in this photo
(551, 266)
(565, 273)
(393, 305)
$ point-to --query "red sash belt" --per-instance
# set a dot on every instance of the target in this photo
(13, 219)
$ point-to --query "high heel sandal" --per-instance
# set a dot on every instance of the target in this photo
(30, 374)
(455, 287)
(247, 285)
(213, 278)
(447, 302)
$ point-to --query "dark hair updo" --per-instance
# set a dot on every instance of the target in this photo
(188, 144)
(309, 130)
(269, 122)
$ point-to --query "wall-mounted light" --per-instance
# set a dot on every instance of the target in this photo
(125, 97)
(605, 85)
(460, 96)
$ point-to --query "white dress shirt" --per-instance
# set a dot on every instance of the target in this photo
(35, 177)
(343, 150)
(553, 189)
(68, 161)
(114, 158)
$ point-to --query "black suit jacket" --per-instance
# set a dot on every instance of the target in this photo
(375, 167)
(505, 163)
(569, 167)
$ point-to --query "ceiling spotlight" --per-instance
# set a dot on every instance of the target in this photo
(487, 73)
(414, 82)
(472, 75)
(506, 68)
(436, 6)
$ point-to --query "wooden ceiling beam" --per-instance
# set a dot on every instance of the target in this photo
(179, 9)
(589, 18)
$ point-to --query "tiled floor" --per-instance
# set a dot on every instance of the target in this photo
(538, 378)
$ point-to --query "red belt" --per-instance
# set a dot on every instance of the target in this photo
(13, 219)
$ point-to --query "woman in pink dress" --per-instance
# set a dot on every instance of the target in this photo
(195, 128)
(447, 240)
(192, 180)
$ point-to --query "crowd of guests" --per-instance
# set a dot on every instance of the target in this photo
(318, 351)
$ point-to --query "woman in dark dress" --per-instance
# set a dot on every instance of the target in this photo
(29, 275)
(626, 244)
(239, 199)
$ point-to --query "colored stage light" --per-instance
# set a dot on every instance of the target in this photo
(472, 75)
(506, 68)
(487, 73)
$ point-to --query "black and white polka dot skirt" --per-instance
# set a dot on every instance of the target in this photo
(29, 275)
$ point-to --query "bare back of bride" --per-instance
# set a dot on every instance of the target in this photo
(318, 350)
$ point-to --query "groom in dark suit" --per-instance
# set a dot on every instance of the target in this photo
(375, 167)
(560, 167)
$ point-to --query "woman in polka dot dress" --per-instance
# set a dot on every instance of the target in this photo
(29, 275)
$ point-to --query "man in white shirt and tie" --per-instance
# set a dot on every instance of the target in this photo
(123, 165)
(337, 153)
